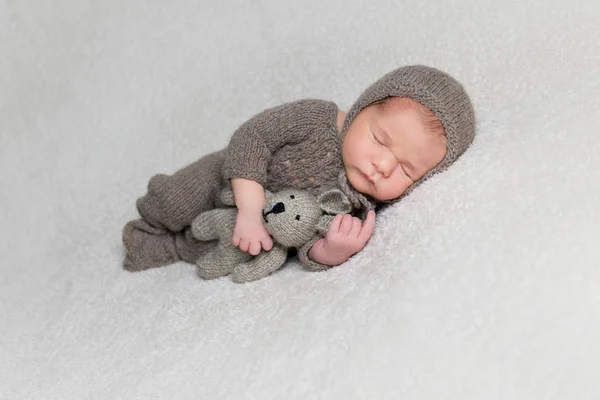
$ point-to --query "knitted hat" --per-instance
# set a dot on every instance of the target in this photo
(437, 91)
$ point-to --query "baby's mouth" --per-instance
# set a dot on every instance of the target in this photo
(369, 177)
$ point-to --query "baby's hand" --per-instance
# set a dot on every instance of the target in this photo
(250, 234)
(346, 236)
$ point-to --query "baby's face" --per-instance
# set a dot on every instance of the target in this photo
(387, 148)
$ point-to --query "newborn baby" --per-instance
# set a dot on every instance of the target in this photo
(410, 124)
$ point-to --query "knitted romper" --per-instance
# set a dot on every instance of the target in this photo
(294, 145)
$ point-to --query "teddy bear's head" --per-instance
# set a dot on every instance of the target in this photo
(294, 216)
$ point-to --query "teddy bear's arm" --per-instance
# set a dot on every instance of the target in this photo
(214, 224)
(260, 266)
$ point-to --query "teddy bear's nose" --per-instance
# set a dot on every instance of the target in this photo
(279, 208)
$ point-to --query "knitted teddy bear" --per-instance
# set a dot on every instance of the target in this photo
(292, 217)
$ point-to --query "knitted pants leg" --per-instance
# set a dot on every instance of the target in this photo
(172, 202)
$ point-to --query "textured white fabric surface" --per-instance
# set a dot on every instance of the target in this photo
(484, 283)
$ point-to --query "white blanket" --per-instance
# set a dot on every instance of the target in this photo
(483, 283)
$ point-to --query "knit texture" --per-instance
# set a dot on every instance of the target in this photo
(173, 201)
(218, 225)
(294, 145)
(434, 89)
(154, 246)
(292, 217)
(359, 201)
(297, 145)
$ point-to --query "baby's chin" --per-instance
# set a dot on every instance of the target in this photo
(388, 193)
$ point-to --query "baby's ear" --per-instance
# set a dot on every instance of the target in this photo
(227, 197)
(334, 202)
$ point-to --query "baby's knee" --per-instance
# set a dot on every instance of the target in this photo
(173, 201)
(166, 203)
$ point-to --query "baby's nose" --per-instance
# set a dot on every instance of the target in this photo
(385, 167)
(279, 208)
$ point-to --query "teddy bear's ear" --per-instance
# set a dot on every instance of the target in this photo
(227, 197)
(334, 202)
(323, 224)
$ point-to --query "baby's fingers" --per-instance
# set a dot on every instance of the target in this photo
(346, 224)
(244, 245)
(367, 228)
(254, 247)
(334, 227)
(267, 243)
(356, 228)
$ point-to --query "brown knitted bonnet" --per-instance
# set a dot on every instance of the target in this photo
(437, 91)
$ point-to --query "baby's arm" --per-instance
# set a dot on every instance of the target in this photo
(346, 236)
(253, 143)
(247, 161)
(250, 233)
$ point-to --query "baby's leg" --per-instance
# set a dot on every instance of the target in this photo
(163, 235)
(173, 201)
(148, 246)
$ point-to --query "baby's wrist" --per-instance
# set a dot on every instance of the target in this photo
(249, 195)
(316, 253)
(250, 214)
(319, 253)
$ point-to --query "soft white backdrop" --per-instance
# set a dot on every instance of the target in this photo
(484, 283)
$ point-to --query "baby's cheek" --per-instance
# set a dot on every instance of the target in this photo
(360, 183)
(395, 187)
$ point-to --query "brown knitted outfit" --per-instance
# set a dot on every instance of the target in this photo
(294, 145)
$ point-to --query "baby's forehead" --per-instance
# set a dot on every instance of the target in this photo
(399, 103)
(396, 106)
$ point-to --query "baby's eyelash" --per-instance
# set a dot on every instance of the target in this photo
(377, 140)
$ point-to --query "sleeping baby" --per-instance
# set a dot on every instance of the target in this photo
(410, 124)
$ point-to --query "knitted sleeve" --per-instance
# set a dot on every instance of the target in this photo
(361, 205)
(252, 144)
(306, 262)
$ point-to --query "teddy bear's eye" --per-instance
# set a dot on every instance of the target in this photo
(292, 196)
(297, 218)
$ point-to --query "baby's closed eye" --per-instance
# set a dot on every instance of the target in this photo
(379, 141)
